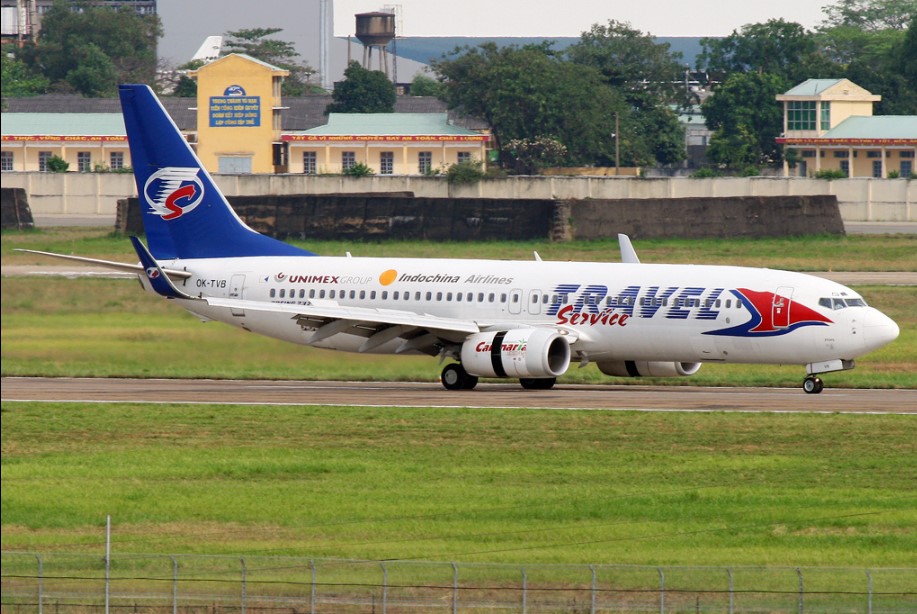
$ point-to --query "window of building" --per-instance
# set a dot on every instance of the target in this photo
(6, 161)
(43, 158)
(425, 162)
(826, 115)
(386, 163)
(845, 166)
(800, 115)
(309, 166)
(877, 169)
(116, 160)
(84, 161)
(464, 156)
(841, 154)
(906, 154)
(907, 167)
(873, 154)
(808, 153)
(348, 159)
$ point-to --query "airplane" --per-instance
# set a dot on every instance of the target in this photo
(527, 320)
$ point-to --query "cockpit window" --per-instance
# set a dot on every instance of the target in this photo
(841, 303)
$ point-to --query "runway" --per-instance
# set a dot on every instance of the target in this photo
(485, 396)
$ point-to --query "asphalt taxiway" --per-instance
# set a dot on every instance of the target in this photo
(432, 394)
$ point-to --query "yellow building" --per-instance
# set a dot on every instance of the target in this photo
(828, 124)
(388, 143)
(88, 142)
(238, 115)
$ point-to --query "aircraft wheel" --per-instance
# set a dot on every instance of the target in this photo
(455, 377)
(813, 385)
(539, 383)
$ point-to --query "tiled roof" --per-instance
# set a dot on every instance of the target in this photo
(301, 113)
(812, 87)
(63, 124)
(389, 124)
(875, 127)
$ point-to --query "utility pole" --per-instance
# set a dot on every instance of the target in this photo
(617, 146)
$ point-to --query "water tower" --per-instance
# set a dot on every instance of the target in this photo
(375, 30)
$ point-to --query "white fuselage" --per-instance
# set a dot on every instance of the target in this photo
(687, 313)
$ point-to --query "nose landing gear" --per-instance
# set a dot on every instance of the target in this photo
(813, 385)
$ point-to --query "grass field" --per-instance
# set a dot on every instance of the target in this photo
(520, 486)
(472, 485)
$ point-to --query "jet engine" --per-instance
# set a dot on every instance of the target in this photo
(632, 368)
(523, 352)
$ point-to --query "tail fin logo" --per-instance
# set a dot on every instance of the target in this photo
(173, 191)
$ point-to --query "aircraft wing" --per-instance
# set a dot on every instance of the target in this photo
(418, 332)
(108, 264)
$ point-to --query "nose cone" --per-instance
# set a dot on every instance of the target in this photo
(878, 330)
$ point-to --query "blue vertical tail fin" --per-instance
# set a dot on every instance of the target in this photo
(184, 213)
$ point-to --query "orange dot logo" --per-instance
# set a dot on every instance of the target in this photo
(388, 277)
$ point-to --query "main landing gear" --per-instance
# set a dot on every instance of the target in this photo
(455, 377)
(812, 384)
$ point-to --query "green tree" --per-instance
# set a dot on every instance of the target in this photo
(363, 91)
(530, 92)
(256, 43)
(649, 77)
(868, 41)
(632, 62)
(746, 119)
(776, 47)
(17, 78)
(95, 75)
(871, 15)
(423, 85)
(119, 46)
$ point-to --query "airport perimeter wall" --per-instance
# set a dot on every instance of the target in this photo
(377, 217)
(860, 199)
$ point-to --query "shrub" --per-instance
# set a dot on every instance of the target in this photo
(705, 173)
(56, 164)
(830, 174)
(465, 172)
(359, 170)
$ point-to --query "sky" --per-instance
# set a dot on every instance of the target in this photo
(188, 23)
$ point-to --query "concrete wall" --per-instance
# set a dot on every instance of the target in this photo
(377, 217)
(861, 199)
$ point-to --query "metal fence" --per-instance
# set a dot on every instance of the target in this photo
(69, 583)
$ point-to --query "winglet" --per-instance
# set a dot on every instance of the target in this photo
(628, 253)
(158, 279)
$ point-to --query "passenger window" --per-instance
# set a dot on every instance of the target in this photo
(728, 303)
(385, 295)
(353, 294)
(362, 294)
(283, 293)
(491, 297)
(331, 294)
(448, 297)
(416, 296)
(321, 294)
(480, 297)
(469, 297)
(273, 292)
(503, 297)
(372, 295)
(395, 295)
(439, 296)
(429, 296)
(458, 297)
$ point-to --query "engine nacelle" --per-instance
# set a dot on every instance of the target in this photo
(522, 352)
(633, 368)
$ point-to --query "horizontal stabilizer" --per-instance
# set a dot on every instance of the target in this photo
(108, 264)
